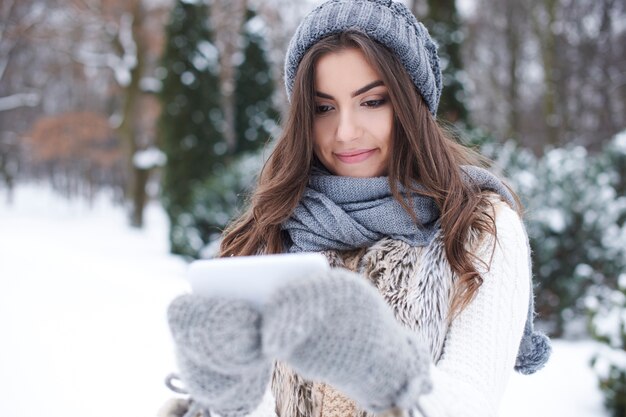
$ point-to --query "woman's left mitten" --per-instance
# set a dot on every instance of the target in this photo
(218, 349)
(338, 329)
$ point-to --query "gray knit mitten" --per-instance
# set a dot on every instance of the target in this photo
(338, 329)
(218, 348)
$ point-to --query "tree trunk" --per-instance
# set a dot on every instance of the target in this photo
(128, 129)
(227, 18)
(546, 38)
(513, 45)
(607, 123)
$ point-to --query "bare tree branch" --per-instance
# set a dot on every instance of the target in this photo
(18, 100)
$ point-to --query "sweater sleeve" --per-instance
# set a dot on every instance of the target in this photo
(482, 342)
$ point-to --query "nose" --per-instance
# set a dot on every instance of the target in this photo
(348, 127)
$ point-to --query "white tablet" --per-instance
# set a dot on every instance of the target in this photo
(252, 278)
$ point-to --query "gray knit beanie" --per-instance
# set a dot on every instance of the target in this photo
(390, 23)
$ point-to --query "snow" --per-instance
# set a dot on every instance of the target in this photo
(82, 318)
(150, 85)
(155, 4)
(82, 309)
(129, 59)
(555, 219)
(567, 386)
(207, 56)
(466, 8)
(610, 357)
(122, 64)
(187, 78)
(257, 26)
(149, 158)
(619, 142)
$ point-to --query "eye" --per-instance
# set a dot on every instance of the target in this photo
(322, 108)
(374, 103)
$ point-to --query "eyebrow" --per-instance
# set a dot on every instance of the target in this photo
(354, 93)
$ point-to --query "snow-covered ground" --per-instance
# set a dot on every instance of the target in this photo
(82, 318)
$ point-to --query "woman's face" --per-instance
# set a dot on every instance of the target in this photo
(353, 121)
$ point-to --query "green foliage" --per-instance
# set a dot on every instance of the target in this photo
(216, 201)
(199, 162)
(256, 115)
(614, 390)
(188, 129)
(444, 25)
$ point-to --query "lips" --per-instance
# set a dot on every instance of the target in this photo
(353, 157)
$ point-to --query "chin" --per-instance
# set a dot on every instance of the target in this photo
(361, 172)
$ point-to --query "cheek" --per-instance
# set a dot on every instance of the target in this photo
(317, 151)
(381, 127)
(321, 138)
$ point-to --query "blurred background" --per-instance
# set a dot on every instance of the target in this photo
(152, 117)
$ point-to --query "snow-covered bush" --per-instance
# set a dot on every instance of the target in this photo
(576, 217)
(575, 214)
(607, 304)
(608, 324)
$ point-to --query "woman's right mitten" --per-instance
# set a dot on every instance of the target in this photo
(336, 328)
(218, 348)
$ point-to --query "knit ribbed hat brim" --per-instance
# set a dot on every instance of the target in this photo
(387, 22)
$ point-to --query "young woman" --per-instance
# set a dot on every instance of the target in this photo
(429, 306)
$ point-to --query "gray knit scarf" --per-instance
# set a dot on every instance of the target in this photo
(343, 213)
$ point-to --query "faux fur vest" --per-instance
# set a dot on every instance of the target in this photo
(417, 282)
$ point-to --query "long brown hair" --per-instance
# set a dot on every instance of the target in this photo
(422, 152)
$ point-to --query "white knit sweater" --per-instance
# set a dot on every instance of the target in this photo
(482, 342)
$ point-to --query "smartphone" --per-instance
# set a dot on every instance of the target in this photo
(252, 278)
